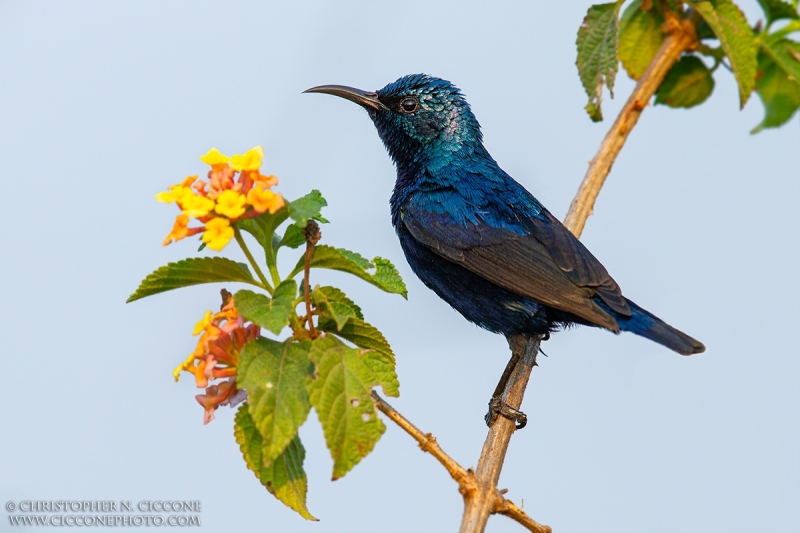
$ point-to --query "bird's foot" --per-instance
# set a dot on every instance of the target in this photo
(498, 407)
(545, 337)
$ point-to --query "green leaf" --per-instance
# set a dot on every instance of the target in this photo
(777, 10)
(688, 83)
(731, 28)
(779, 94)
(292, 238)
(274, 375)
(338, 311)
(263, 226)
(786, 53)
(285, 479)
(386, 276)
(340, 395)
(192, 271)
(309, 206)
(367, 336)
(597, 54)
(333, 294)
(791, 27)
(640, 37)
(356, 258)
(270, 313)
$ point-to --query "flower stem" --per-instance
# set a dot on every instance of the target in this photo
(238, 236)
(270, 255)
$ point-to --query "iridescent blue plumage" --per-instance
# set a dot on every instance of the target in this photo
(476, 237)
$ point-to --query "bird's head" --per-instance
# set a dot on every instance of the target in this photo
(417, 116)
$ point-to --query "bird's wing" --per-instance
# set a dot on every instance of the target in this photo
(541, 259)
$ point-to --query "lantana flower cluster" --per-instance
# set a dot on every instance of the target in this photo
(223, 199)
(222, 336)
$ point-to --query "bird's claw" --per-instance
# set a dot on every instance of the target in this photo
(498, 407)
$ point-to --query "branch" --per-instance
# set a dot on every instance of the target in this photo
(681, 36)
(313, 235)
(480, 503)
(466, 479)
(427, 442)
(510, 510)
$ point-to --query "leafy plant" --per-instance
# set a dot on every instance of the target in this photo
(331, 367)
(761, 58)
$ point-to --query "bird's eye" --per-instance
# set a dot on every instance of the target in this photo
(409, 105)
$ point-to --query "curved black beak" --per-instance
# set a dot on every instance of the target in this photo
(362, 98)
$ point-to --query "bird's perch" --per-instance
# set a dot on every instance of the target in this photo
(482, 498)
(681, 36)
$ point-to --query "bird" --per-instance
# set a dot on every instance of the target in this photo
(478, 238)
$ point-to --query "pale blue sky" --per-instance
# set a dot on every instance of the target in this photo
(103, 104)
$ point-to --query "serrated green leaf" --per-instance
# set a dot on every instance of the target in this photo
(777, 10)
(340, 312)
(786, 54)
(309, 206)
(270, 313)
(356, 258)
(292, 238)
(192, 271)
(274, 375)
(285, 479)
(367, 336)
(340, 394)
(640, 37)
(386, 276)
(336, 295)
(731, 28)
(779, 94)
(688, 83)
(263, 226)
(597, 54)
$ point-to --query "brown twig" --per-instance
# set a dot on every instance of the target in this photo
(481, 503)
(427, 442)
(466, 479)
(312, 235)
(507, 508)
(681, 36)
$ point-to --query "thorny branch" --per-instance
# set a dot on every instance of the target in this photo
(479, 488)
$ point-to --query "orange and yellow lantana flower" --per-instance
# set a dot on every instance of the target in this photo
(222, 336)
(225, 199)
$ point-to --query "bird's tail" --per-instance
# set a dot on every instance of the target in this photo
(651, 327)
